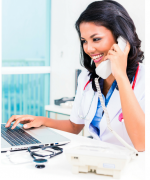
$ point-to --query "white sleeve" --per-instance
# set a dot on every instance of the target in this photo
(74, 113)
(141, 86)
(142, 103)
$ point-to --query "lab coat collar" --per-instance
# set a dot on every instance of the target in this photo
(113, 107)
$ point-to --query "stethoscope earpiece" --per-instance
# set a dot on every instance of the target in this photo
(39, 163)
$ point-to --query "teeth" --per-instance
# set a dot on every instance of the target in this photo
(95, 57)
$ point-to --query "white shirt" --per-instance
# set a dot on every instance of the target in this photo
(113, 108)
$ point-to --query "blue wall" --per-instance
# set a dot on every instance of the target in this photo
(24, 29)
(25, 42)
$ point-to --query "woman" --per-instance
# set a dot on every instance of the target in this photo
(98, 27)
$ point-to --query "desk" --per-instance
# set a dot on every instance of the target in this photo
(57, 110)
(59, 168)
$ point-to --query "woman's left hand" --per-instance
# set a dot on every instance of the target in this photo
(118, 59)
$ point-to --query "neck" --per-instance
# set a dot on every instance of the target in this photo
(108, 82)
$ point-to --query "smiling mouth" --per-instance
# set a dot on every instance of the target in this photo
(97, 58)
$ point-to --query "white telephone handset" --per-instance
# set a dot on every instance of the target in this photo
(104, 69)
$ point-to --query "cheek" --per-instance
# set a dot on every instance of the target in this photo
(85, 49)
(105, 46)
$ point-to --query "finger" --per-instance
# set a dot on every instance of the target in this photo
(127, 48)
(111, 52)
(28, 125)
(19, 120)
(13, 118)
(115, 48)
(108, 57)
(24, 122)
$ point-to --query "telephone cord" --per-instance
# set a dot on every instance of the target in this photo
(108, 119)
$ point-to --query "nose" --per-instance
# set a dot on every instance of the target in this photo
(90, 48)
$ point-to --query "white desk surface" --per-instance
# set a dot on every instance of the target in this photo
(58, 109)
(59, 168)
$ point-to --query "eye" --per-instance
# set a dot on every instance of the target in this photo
(96, 39)
(83, 41)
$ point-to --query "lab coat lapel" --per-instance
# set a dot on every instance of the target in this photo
(113, 108)
(87, 100)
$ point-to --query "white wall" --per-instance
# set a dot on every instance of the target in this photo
(65, 43)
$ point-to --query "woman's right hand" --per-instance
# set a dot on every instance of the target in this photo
(28, 121)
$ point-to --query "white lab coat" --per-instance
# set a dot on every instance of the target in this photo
(113, 107)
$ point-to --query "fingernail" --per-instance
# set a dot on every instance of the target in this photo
(25, 126)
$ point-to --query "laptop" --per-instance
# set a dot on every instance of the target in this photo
(19, 138)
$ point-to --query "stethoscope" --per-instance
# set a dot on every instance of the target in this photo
(36, 152)
(120, 118)
(43, 158)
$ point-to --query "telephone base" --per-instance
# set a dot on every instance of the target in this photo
(109, 160)
(106, 172)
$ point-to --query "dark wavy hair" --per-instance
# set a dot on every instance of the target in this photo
(114, 17)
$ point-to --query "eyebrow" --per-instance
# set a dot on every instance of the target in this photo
(91, 36)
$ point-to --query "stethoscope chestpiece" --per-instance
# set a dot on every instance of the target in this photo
(39, 163)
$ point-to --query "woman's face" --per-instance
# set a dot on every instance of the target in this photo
(97, 41)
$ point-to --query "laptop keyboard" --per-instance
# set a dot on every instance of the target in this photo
(17, 136)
